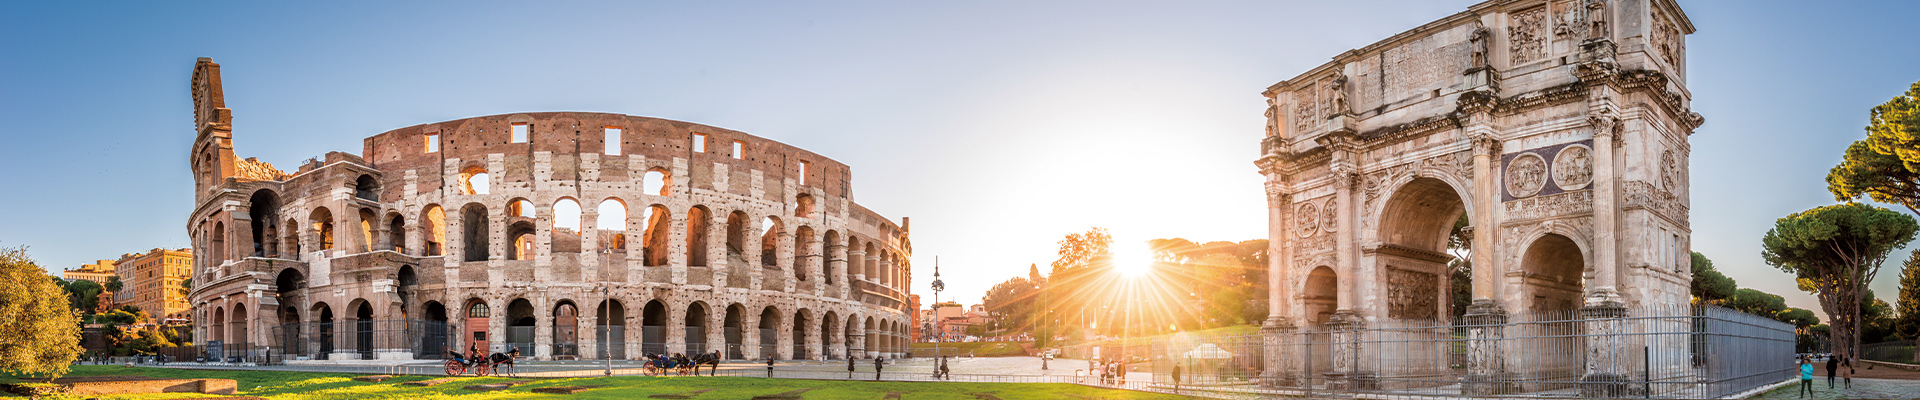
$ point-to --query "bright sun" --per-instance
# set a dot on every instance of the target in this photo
(1131, 258)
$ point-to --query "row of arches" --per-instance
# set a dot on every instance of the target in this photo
(562, 330)
(657, 226)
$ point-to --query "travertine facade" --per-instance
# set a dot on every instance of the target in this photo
(1558, 127)
(515, 231)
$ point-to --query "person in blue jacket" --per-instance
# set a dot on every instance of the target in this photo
(1806, 376)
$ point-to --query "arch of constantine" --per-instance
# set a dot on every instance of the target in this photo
(1555, 130)
(566, 235)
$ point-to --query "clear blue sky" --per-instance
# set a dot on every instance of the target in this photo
(997, 126)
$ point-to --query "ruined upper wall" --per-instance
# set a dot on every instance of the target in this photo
(568, 134)
(1529, 45)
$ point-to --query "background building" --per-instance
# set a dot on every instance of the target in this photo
(155, 282)
(96, 272)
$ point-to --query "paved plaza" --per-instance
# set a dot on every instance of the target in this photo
(1863, 388)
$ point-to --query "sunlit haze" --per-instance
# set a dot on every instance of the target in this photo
(997, 127)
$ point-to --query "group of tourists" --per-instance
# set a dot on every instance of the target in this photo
(1110, 372)
(1837, 366)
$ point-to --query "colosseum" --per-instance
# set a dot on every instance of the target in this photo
(571, 226)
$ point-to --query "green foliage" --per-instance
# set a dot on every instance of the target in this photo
(1834, 252)
(84, 295)
(1756, 302)
(284, 385)
(1885, 166)
(113, 284)
(39, 331)
(1082, 250)
(1709, 285)
(1907, 300)
(1799, 317)
(1014, 304)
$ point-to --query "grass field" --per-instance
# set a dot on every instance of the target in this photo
(303, 385)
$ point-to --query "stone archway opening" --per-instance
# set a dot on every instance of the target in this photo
(801, 320)
(731, 331)
(611, 334)
(696, 328)
(769, 332)
(1553, 287)
(566, 330)
(653, 328)
(520, 326)
(1414, 230)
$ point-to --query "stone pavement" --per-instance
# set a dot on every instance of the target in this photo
(1863, 388)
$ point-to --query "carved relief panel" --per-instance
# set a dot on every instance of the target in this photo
(1665, 38)
(1526, 35)
(1526, 175)
(1412, 294)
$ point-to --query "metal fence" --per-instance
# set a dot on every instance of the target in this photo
(1900, 351)
(363, 339)
(1684, 352)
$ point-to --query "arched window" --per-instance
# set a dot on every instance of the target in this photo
(473, 229)
(366, 188)
(566, 226)
(737, 232)
(697, 221)
(803, 206)
(769, 242)
(366, 230)
(655, 236)
(263, 209)
(474, 180)
(520, 208)
(521, 233)
(436, 220)
(802, 256)
(657, 182)
(612, 224)
(322, 221)
(396, 234)
(218, 244)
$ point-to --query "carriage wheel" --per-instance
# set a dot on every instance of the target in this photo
(455, 368)
(481, 369)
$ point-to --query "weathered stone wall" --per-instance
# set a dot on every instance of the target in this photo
(405, 232)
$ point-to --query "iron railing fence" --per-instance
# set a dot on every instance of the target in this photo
(1899, 351)
(1669, 352)
(365, 339)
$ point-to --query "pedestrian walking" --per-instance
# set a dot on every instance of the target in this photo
(769, 366)
(1806, 377)
(878, 362)
(1846, 371)
(944, 371)
(1176, 377)
(849, 366)
(1833, 366)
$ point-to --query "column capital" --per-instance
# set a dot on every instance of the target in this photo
(1484, 144)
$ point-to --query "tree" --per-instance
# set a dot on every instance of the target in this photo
(1757, 303)
(113, 284)
(1885, 166)
(84, 295)
(1876, 319)
(1836, 251)
(1907, 302)
(1709, 285)
(1013, 303)
(1460, 268)
(39, 330)
(1799, 317)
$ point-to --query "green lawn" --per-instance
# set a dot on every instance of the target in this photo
(302, 385)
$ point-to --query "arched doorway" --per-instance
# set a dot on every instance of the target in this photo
(1414, 228)
(478, 315)
(566, 330)
(473, 230)
(826, 335)
(769, 332)
(239, 342)
(363, 329)
(322, 331)
(611, 334)
(653, 328)
(264, 209)
(696, 328)
(433, 332)
(520, 323)
(855, 349)
(731, 331)
(1554, 265)
(801, 320)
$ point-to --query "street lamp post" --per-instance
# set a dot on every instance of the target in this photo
(938, 335)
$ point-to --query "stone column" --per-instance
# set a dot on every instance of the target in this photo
(542, 329)
(869, 343)
(750, 336)
(837, 262)
(1284, 362)
(784, 252)
(676, 326)
(1604, 373)
(1486, 319)
(677, 247)
(1346, 328)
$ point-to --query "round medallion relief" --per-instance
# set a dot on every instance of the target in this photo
(1308, 219)
(1328, 221)
(1669, 170)
(1526, 175)
(1573, 167)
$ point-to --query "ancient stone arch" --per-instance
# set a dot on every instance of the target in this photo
(1560, 148)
